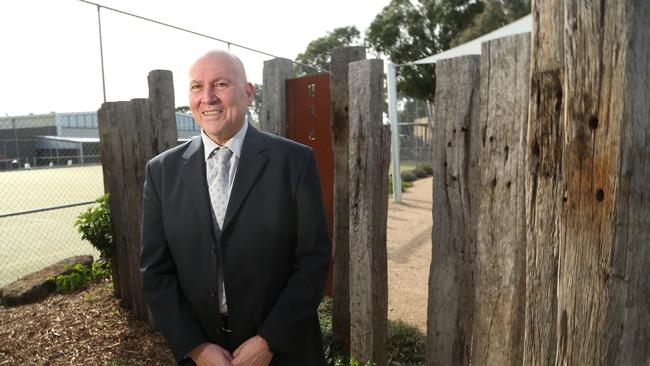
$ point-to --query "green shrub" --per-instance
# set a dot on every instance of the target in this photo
(342, 361)
(409, 177)
(80, 276)
(427, 168)
(419, 172)
(94, 225)
(405, 185)
(406, 343)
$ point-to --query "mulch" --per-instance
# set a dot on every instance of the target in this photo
(81, 328)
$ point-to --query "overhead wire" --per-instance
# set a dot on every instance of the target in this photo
(228, 43)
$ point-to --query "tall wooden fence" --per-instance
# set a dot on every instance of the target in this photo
(541, 252)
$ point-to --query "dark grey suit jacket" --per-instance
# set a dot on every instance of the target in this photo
(274, 247)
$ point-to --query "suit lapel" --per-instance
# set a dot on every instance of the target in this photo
(251, 164)
(195, 181)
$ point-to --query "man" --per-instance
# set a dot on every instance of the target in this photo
(235, 248)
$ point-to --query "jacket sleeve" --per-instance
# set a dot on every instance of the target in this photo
(172, 314)
(294, 312)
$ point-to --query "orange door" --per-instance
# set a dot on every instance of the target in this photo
(308, 122)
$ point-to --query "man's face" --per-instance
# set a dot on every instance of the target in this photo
(219, 96)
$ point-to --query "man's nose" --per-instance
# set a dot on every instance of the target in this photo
(210, 97)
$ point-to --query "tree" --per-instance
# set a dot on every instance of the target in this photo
(183, 108)
(319, 50)
(406, 31)
(256, 106)
(497, 13)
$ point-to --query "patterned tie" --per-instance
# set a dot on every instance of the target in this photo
(219, 183)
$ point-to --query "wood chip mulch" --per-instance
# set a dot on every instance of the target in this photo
(81, 328)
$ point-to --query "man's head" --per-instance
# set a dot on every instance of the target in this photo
(219, 94)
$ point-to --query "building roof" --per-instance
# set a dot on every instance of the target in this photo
(473, 47)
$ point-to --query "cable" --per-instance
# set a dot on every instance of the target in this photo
(228, 43)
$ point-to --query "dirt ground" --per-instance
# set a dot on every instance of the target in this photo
(409, 254)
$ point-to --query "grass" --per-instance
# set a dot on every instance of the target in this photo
(32, 241)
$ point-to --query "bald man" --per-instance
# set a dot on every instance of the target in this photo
(235, 248)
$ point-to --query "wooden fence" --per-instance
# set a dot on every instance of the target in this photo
(541, 252)
(131, 133)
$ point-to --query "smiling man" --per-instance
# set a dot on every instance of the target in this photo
(235, 249)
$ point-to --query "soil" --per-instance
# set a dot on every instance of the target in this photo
(409, 254)
(90, 328)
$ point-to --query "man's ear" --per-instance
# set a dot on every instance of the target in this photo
(250, 92)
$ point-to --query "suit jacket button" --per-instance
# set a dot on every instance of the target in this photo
(213, 295)
(214, 250)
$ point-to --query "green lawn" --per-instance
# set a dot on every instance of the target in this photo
(32, 241)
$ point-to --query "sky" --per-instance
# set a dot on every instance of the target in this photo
(50, 54)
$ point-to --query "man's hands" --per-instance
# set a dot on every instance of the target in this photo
(254, 352)
(210, 354)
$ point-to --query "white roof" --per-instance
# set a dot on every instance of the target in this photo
(473, 47)
(70, 139)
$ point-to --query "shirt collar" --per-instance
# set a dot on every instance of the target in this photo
(234, 144)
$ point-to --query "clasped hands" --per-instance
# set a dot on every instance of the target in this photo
(254, 352)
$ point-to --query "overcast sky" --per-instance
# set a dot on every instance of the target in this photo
(50, 50)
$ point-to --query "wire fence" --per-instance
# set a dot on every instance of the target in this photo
(415, 127)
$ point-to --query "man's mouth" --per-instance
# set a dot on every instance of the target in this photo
(210, 113)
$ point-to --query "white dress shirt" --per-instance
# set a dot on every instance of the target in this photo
(235, 145)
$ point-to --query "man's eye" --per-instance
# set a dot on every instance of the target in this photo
(195, 86)
(220, 85)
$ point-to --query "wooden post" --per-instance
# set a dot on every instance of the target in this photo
(163, 114)
(273, 118)
(369, 155)
(544, 181)
(456, 175)
(340, 127)
(130, 135)
(604, 258)
(501, 236)
(111, 143)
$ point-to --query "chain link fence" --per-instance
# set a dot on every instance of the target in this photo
(49, 174)
(415, 128)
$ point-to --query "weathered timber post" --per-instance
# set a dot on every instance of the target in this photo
(456, 175)
(604, 258)
(543, 181)
(340, 127)
(501, 236)
(130, 135)
(276, 72)
(369, 155)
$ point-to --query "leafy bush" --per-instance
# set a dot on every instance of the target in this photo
(427, 168)
(405, 185)
(80, 276)
(95, 226)
(419, 172)
(406, 343)
(409, 177)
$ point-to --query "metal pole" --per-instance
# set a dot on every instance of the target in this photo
(101, 49)
(394, 133)
(13, 125)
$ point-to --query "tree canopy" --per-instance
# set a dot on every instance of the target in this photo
(408, 30)
(318, 51)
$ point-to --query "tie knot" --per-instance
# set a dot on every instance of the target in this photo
(222, 154)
